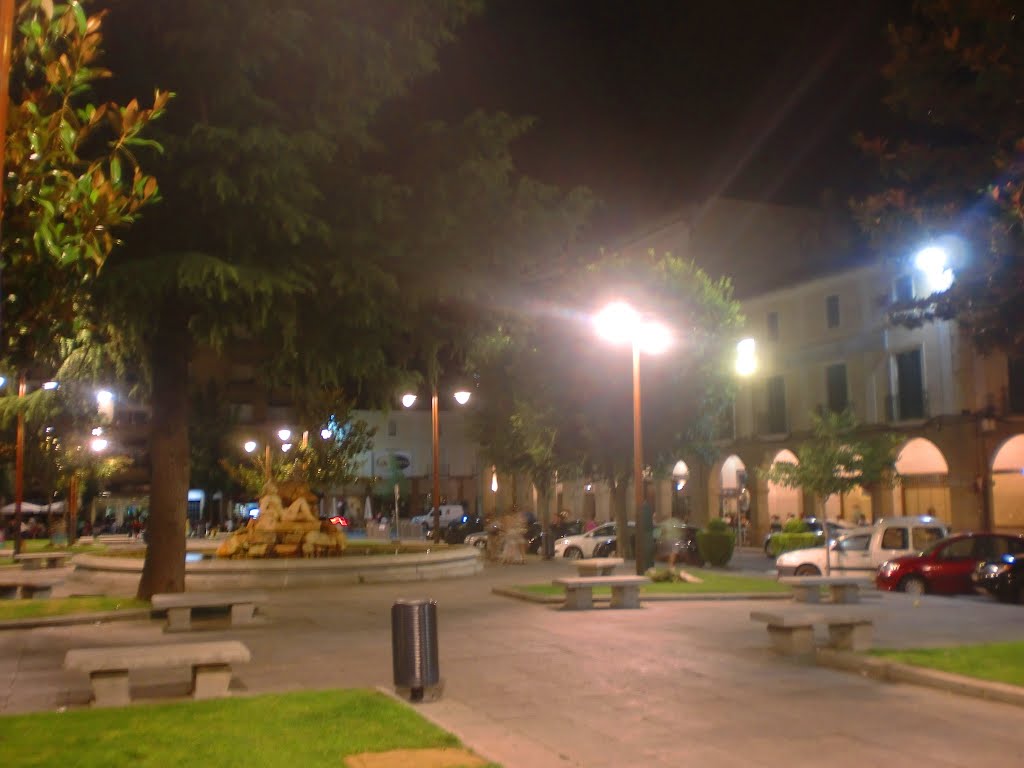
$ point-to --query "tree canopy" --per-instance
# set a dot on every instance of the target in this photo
(957, 177)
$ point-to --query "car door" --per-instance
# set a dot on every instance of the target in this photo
(893, 542)
(852, 556)
(592, 538)
(949, 572)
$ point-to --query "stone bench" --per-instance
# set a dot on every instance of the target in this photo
(34, 560)
(598, 566)
(579, 590)
(15, 585)
(842, 589)
(179, 606)
(108, 667)
(792, 632)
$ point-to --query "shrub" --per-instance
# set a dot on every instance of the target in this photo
(795, 526)
(717, 543)
(786, 542)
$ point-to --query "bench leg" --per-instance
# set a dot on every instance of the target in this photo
(31, 565)
(29, 591)
(626, 596)
(210, 681)
(110, 688)
(845, 594)
(242, 613)
(792, 641)
(8, 593)
(179, 619)
(851, 637)
(806, 595)
(579, 598)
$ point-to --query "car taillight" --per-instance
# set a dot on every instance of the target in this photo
(339, 521)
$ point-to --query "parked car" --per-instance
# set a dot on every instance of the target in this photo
(947, 566)
(684, 543)
(861, 551)
(478, 540)
(583, 544)
(1002, 578)
(458, 530)
(449, 513)
(836, 528)
(535, 533)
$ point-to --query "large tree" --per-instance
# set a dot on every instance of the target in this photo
(957, 175)
(303, 218)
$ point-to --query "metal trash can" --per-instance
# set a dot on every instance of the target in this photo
(414, 646)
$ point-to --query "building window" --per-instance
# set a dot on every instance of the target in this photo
(903, 288)
(909, 400)
(392, 428)
(775, 423)
(772, 324)
(837, 394)
(832, 311)
(1015, 388)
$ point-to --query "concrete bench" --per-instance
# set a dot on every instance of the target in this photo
(33, 560)
(108, 667)
(16, 585)
(842, 589)
(792, 632)
(579, 590)
(179, 606)
(598, 566)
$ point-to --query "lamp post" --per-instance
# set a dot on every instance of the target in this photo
(250, 446)
(620, 323)
(408, 400)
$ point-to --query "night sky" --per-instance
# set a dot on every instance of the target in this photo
(653, 103)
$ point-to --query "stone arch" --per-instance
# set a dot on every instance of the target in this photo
(783, 502)
(728, 477)
(682, 502)
(924, 480)
(1008, 485)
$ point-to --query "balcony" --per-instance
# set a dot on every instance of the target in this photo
(907, 406)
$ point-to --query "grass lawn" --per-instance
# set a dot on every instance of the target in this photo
(41, 545)
(998, 662)
(712, 582)
(311, 728)
(60, 606)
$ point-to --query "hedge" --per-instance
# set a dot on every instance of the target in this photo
(787, 542)
(717, 543)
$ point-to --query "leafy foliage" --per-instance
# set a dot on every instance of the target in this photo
(72, 182)
(717, 543)
(837, 458)
(955, 75)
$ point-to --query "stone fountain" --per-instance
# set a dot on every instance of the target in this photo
(286, 527)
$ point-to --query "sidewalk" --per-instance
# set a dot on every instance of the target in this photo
(676, 683)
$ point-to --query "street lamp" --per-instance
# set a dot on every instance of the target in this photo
(619, 323)
(408, 400)
(250, 446)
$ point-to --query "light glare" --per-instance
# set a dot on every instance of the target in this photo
(99, 445)
(408, 400)
(250, 446)
(326, 433)
(104, 397)
(50, 385)
(746, 357)
(284, 434)
(462, 397)
(617, 322)
(654, 338)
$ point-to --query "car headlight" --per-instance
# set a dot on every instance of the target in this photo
(887, 569)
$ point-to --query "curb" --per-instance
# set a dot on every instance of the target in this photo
(697, 596)
(70, 619)
(897, 672)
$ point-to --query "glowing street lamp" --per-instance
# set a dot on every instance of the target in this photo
(250, 446)
(933, 262)
(619, 323)
(408, 400)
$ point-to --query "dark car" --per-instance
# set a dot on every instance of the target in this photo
(1002, 578)
(458, 530)
(947, 566)
(683, 541)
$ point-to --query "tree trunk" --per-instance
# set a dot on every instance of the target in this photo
(544, 508)
(164, 569)
(622, 542)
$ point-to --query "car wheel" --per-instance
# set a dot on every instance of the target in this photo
(913, 585)
(573, 553)
(807, 570)
(480, 543)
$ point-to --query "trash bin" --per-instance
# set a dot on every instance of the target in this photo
(414, 646)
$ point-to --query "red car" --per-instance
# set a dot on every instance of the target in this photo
(945, 568)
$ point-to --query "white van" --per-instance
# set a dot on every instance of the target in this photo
(861, 551)
(449, 513)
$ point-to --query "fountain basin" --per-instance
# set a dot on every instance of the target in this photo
(121, 574)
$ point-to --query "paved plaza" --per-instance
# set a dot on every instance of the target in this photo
(675, 683)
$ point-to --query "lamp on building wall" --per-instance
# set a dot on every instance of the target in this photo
(461, 397)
